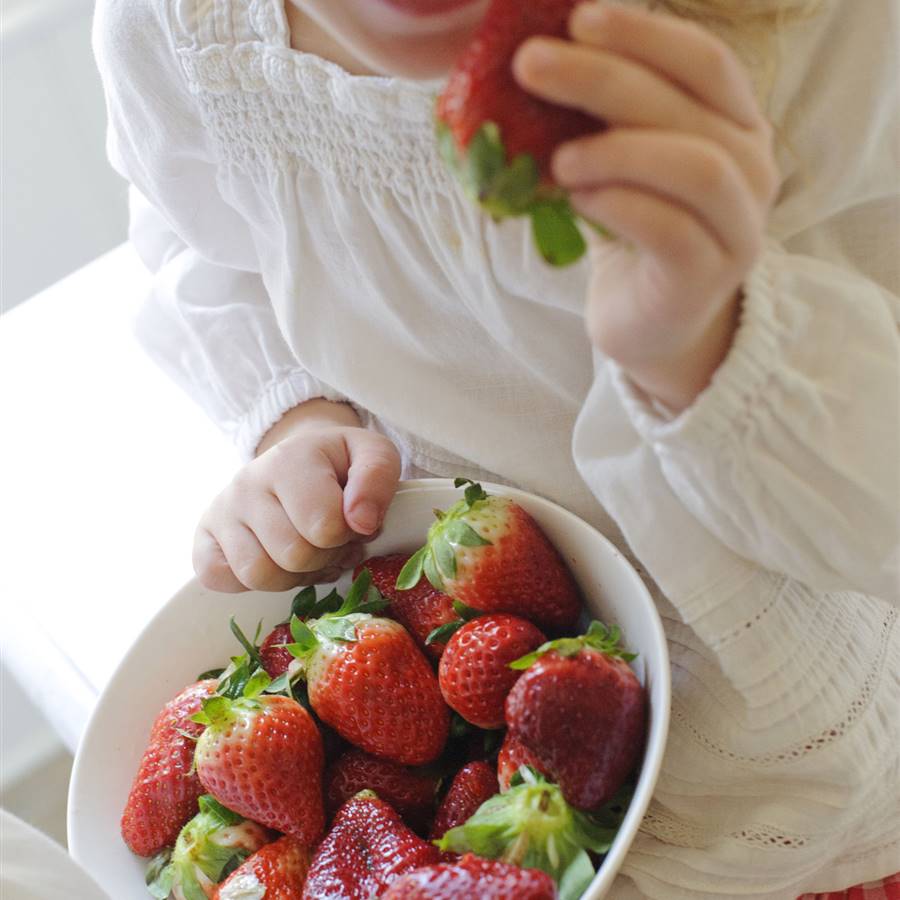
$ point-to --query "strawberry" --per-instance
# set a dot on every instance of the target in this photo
(261, 755)
(513, 755)
(369, 681)
(421, 609)
(582, 711)
(213, 842)
(471, 877)
(165, 789)
(275, 657)
(276, 872)
(474, 672)
(411, 792)
(531, 825)
(498, 138)
(367, 848)
(473, 784)
(490, 554)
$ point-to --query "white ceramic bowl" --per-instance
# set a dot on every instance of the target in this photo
(190, 634)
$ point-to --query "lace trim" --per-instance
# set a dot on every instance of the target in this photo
(817, 742)
(689, 835)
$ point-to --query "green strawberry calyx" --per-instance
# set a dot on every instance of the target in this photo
(238, 693)
(336, 621)
(209, 848)
(531, 825)
(598, 637)
(509, 188)
(437, 559)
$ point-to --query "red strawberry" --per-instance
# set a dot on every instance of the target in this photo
(262, 757)
(165, 790)
(420, 609)
(513, 755)
(276, 658)
(582, 711)
(367, 848)
(409, 791)
(490, 554)
(214, 841)
(471, 877)
(498, 138)
(277, 872)
(473, 784)
(474, 673)
(369, 681)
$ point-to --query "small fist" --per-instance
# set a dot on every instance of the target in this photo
(299, 513)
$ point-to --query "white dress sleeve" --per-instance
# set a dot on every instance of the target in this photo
(791, 457)
(208, 320)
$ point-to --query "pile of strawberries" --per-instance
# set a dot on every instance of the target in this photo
(358, 752)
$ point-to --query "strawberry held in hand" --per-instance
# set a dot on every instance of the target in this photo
(367, 848)
(276, 872)
(261, 755)
(164, 794)
(583, 713)
(369, 681)
(498, 138)
(489, 553)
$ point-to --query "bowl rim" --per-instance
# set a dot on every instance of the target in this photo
(657, 736)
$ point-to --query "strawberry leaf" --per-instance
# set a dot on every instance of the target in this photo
(444, 555)
(219, 815)
(443, 633)
(432, 573)
(598, 637)
(355, 595)
(160, 875)
(474, 492)
(485, 159)
(258, 682)
(556, 232)
(330, 603)
(411, 572)
(304, 639)
(302, 605)
(464, 535)
(466, 613)
(338, 629)
(280, 685)
(251, 648)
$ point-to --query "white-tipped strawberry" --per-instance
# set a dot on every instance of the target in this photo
(488, 553)
(215, 842)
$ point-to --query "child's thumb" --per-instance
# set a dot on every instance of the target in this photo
(371, 480)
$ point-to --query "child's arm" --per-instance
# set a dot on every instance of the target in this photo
(783, 434)
(209, 322)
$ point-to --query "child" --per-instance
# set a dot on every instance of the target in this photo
(716, 390)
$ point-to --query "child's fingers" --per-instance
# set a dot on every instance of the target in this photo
(693, 172)
(682, 51)
(249, 562)
(288, 549)
(371, 480)
(308, 486)
(656, 224)
(211, 566)
(614, 89)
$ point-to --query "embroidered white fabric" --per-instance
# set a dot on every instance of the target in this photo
(307, 242)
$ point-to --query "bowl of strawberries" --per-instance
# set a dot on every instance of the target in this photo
(480, 709)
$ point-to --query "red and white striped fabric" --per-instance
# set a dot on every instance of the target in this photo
(884, 889)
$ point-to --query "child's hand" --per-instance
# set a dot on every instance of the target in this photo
(297, 514)
(684, 175)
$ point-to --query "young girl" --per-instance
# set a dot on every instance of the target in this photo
(716, 390)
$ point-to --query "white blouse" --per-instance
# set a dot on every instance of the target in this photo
(307, 241)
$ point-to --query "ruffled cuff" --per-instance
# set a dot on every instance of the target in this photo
(720, 411)
(276, 398)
